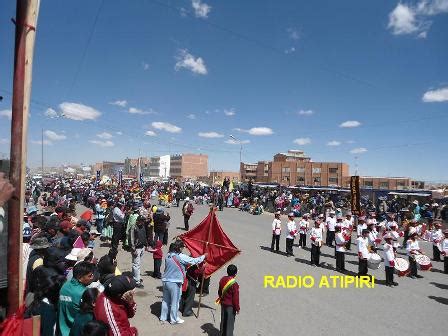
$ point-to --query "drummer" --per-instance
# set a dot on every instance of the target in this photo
(389, 260)
(361, 226)
(395, 235)
(316, 235)
(413, 249)
(444, 245)
(340, 241)
(391, 221)
(436, 238)
(373, 236)
(363, 252)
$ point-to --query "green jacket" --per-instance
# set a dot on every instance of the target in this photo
(69, 298)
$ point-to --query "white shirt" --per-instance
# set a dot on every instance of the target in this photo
(359, 229)
(389, 225)
(389, 254)
(412, 246)
(340, 242)
(316, 233)
(373, 235)
(445, 245)
(276, 226)
(303, 226)
(363, 243)
(395, 235)
(292, 230)
(346, 224)
(331, 223)
(436, 236)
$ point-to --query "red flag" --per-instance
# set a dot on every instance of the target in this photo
(209, 237)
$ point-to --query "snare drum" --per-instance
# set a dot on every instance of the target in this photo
(374, 261)
(401, 267)
(423, 262)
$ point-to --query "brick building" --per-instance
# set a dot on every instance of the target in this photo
(221, 175)
(391, 183)
(188, 166)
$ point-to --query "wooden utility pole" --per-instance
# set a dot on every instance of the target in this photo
(26, 20)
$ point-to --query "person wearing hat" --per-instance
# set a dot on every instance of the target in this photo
(316, 236)
(291, 233)
(276, 232)
(38, 246)
(361, 226)
(347, 226)
(304, 225)
(436, 238)
(138, 243)
(412, 249)
(363, 252)
(71, 293)
(444, 247)
(330, 224)
(118, 224)
(116, 305)
(340, 241)
(373, 236)
(395, 235)
(389, 260)
(100, 213)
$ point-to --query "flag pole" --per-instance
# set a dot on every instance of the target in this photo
(212, 209)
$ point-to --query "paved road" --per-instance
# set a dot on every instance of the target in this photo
(415, 307)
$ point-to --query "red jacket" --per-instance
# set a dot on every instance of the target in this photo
(231, 296)
(116, 314)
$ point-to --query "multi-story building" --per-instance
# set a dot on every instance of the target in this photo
(109, 168)
(389, 183)
(221, 175)
(248, 171)
(131, 166)
(188, 166)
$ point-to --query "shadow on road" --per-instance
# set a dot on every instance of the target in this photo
(210, 329)
(156, 308)
(439, 299)
(265, 248)
(436, 270)
(439, 285)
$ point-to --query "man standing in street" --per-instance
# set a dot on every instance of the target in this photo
(330, 224)
(138, 242)
(340, 249)
(276, 232)
(229, 299)
(291, 233)
(118, 225)
(316, 235)
(363, 252)
(303, 230)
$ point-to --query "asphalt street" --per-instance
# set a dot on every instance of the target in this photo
(415, 307)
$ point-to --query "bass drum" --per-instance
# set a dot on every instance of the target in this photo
(374, 261)
(401, 267)
(423, 262)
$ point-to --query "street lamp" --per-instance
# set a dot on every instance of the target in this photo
(239, 141)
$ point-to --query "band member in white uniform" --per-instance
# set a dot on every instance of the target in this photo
(436, 238)
(276, 232)
(395, 236)
(347, 225)
(316, 236)
(340, 249)
(361, 226)
(291, 233)
(363, 252)
(389, 260)
(444, 245)
(330, 224)
(303, 230)
(413, 248)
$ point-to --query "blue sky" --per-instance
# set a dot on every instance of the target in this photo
(277, 75)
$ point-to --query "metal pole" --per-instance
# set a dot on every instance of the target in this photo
(241, 149)
(26, 20)
(42, 144)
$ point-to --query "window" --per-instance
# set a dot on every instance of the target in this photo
(300, 169)
(316, 180)
(384, 185)
(285, 178)
(333, 170)
(300, 179)
(316, 170)
(368, 184)
(333, 180)
(286, 170)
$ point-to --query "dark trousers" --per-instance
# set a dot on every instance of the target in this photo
(186, 219)
(276, 241)
(187, 299)
(340, 261)
(302, 240)
(289, 243)
(445, 264)
(117, 235)
(389, 275)
(205, 288)
(435, 253)
(227, 321)
(160, 235)
(315, 254)
(157, 265)
(362, 267)
(330, 238)
(412, 266)
(405, 238)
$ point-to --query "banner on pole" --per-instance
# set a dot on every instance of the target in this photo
(355, 200)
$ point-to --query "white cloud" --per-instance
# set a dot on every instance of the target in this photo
(6, 113)
(210, 135)
(302, 141)
(119, 133)
(350, 141)
(229, 112)
(188, 61)
(151, 133)
(293, 33)
(305, 112)
(359, 150)
(436, 96)
(78, 112)
(145, 66)
(39, 142)
(235, 142)
(350, 124)
(413, 19)
(201, 9)
(164, 126)
(4, 141)
(333, 143)
(50, 113)
(54, 136)
(100, 143)
(134, 110)
(121, 103)
(191, 116)
(256, 130)
(290, 50)
(105, 135)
